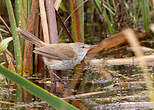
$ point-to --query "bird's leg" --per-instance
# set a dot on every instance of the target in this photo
(54, 73)
(56, 76)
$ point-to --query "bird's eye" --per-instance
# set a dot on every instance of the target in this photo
(82, 47)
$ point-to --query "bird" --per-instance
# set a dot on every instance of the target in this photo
(60, 56)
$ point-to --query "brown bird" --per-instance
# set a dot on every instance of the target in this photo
(59, 56)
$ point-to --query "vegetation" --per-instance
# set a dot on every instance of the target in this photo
(117, 69)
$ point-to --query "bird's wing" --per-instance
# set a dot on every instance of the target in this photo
(56, 52)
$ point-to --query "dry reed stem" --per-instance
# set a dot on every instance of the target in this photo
(52, 23)
(57, 4)
(121, 61)
(83, 95)
(153, 2)
(144, 49)
(128, 106)
(112, 41)
(44, 21)
(131, 37)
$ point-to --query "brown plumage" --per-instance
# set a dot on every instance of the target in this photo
(59, 56)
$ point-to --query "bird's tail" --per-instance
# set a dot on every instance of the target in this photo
(30, 37)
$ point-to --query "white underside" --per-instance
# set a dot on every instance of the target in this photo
(63, 65)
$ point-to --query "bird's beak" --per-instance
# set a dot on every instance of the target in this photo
(92, 46)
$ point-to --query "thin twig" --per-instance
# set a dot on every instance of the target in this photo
(5, 25)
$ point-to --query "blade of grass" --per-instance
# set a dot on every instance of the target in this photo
(51, 99)
(77, 21)
(110, 28)
(20, 19)
(145, 13)
(17, 47)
